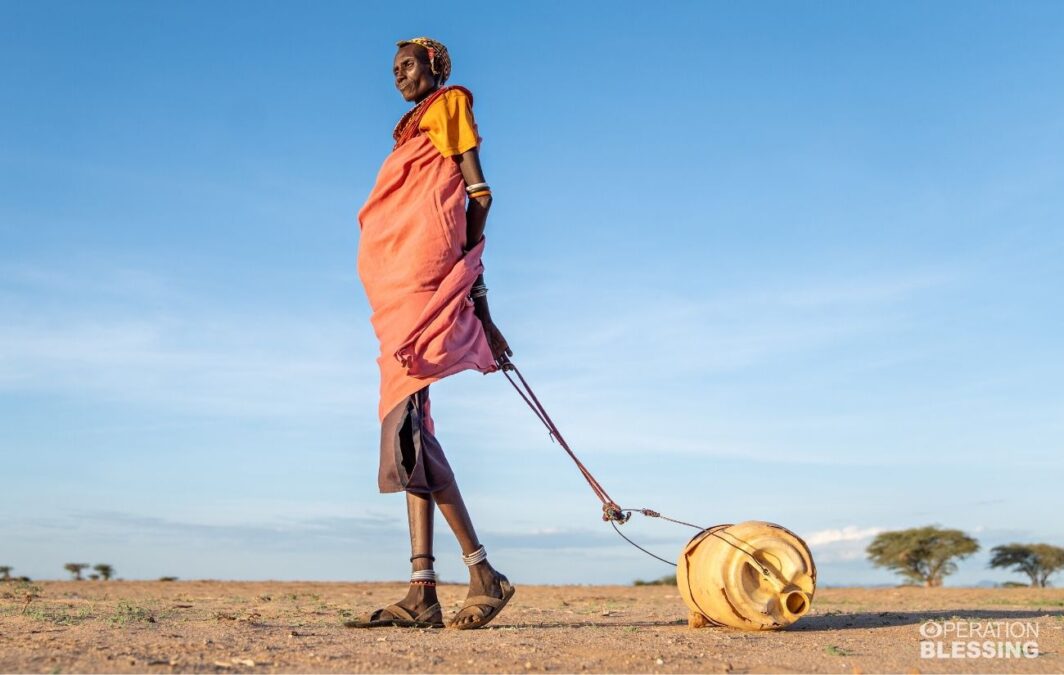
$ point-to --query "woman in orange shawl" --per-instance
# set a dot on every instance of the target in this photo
(419, 260)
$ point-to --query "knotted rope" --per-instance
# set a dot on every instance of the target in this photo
(611, 512)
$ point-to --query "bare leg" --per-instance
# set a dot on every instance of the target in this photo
(453, 508)
(419, 511)
(483, 578)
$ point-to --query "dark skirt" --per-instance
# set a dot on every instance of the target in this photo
(411, 457)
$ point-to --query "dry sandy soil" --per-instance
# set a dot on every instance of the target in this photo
(237, 627)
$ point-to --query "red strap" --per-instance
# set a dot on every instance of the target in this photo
(610, 510)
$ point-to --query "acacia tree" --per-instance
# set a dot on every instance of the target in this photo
(105, 570)
(1037, 561)
(921, 554)
(6, 571)
(75, 569)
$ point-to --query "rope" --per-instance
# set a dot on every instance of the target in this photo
(611, 512)
(654, 514)
(652, 555)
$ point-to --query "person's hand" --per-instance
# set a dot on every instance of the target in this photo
(500, 349)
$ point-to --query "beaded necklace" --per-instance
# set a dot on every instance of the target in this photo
(408, 122)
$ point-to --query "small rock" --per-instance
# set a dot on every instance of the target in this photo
(660, 661)
(528, 664)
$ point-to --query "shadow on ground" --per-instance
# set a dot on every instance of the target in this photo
(842, 620)
(829, 621)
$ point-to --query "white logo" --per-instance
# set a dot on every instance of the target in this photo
(978, 640)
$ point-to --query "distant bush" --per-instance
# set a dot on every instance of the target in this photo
(75, 569)
(1037, 561)
(664, 581)
(167, 578)
(106, 571)
(922, 554)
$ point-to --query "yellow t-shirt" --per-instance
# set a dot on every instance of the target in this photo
(449, 123)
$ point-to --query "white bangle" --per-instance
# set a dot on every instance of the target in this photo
(477, 556)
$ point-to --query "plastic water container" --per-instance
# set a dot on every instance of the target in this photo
(752, 575)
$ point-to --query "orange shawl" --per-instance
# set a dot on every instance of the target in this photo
(417, 277)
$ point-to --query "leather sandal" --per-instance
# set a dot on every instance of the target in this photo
(475, 605)
(396, 615)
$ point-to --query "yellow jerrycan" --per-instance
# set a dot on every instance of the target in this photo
(753, 575)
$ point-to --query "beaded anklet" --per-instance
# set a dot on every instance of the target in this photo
(423, 578)
(476, 557)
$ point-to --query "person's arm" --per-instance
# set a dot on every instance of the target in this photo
(477, 210)
(476, 220)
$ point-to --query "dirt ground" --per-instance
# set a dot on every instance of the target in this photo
(297, 627)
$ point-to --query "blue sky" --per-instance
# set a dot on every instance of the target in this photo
(798, 262)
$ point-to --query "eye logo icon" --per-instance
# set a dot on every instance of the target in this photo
(930, 630)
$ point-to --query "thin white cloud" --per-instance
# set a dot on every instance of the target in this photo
(604, 360)
(122, 337)
(841, 544)
(207, 365)
(850, 533)
(664, 333)
(862, 292)
(115, 282)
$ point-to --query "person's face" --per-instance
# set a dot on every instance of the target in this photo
(413, 74)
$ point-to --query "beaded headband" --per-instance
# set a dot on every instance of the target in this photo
(439, 59)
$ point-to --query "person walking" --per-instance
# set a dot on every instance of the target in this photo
(420, 262)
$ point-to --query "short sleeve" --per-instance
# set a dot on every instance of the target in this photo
(450, 125)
